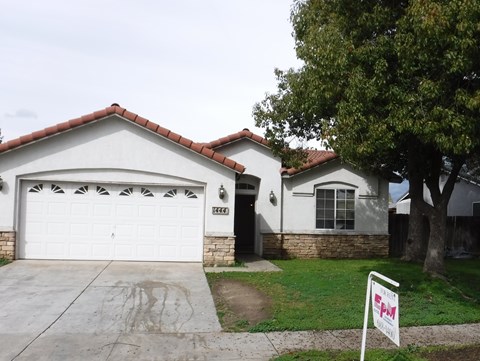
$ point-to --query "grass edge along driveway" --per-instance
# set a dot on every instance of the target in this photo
(330, 294)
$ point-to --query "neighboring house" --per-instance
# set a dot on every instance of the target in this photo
(465, 199)
(113, 185)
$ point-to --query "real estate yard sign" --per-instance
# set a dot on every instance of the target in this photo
(385, 311)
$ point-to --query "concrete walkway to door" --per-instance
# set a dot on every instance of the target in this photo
(50, 306)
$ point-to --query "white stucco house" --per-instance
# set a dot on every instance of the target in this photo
(113, 185)
(464, 202)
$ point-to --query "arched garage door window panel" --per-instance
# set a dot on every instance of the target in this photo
(36, 188)
(146, 192)
(102, 191)
(172, 193)
(126, 192)
(81, 190)
(190, 194)
(56, 189)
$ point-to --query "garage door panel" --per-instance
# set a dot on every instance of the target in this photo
(125, 231)
(146, 251)
(126, 210)
(167, 232)
(33, 249)
(57, 209)
(82, 250)
(147, 211)
(80, 230)
(56, 249)
(169, 212)
(101, 251)
(35, 229)
(124, 251)
(168, 253)
(80, 209)
(190, 212)
(189, 233)
(89, 221)
(102, 210)
(189, 252)
(57, 229)
(102, 230)
(146, 231)
(35, 208)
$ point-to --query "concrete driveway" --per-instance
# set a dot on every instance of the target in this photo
(58, 310)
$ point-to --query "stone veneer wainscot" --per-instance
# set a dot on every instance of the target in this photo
(7, 245)
(218, 251)
(305, 246)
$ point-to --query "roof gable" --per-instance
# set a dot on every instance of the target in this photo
(129, 116)
(314, 157)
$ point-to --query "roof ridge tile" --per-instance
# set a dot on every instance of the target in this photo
(237, 136)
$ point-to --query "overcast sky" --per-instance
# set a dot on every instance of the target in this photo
(195, 67)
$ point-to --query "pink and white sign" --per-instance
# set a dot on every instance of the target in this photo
(385, 312)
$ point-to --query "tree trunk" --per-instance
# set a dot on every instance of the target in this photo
(437, 216)
(434, 261)
(416, 246)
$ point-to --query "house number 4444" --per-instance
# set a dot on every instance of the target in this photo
(220, 210)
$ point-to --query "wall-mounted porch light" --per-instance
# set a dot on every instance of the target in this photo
(271, 197)
(221, 192)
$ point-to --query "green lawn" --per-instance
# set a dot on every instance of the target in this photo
(330, 294)
(403, 354)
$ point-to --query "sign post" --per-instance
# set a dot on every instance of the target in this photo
(385, 310)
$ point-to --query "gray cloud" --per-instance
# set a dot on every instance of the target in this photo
(22, 113)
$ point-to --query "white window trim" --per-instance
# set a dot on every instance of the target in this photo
(336, 187)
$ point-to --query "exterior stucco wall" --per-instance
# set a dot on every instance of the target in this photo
(460, 205)
(116, 151)
(262, 165)
(371, 199)
(463, 195)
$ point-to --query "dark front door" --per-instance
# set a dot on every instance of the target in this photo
(244, 227)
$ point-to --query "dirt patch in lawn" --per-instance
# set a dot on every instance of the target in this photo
(467, 353)
(240, 306)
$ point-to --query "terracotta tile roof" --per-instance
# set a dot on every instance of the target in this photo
(115, 109)
(237, 136)
(314, 158)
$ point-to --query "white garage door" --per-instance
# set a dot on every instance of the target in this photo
(62, 220)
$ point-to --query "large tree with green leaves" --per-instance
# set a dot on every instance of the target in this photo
(391, 86)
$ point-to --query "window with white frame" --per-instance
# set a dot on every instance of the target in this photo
(335, 209)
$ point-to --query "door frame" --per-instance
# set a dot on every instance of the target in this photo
(248, 185)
